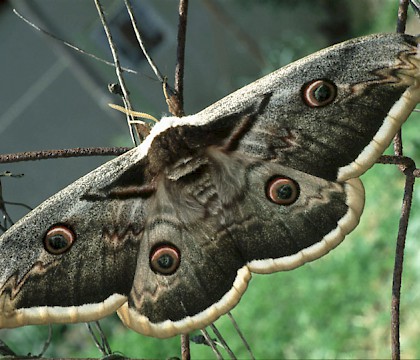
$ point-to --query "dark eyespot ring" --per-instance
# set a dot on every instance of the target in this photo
(59, 239)
(319, 93)
(282, 190)
(165, 259)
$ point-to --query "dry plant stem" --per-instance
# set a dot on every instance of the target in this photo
(62, 153)
(18, 204)
(47, 342)
(223, 342)
(6, 351)
(238, 330)
(118, 69)
(6, 219)
(70, 45)
(101, 342)
(141, 43)
(141, 128)
(152, 64)
(211, 343)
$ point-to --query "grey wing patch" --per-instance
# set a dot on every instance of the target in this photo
(376, 79)
(288, 236)
(89, 281)
(211, 275)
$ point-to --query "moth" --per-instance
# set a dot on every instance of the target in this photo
(263, 180)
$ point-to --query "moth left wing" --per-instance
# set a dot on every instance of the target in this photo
(73, 258)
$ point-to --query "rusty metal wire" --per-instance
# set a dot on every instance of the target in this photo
(408, 168)
(62, 153)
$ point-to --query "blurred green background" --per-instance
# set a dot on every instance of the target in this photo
(335, 307)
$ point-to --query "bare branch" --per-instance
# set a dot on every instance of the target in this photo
(223, 342)
(141, 43)
(100, 341)
(70, 45)
(6, 351)
(47, 341)
(241, 335)
(210, 342)
(119, 72)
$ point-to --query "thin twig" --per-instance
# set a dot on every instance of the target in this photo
(141, 42)
(118, 69)
(6, 217)
(223, 342)
(241, 335)
(101, 343)
(415, 5)
(47, 342)
(5, 350)
(168, 91)
(70, 45)
(210, 342)
(27, 207)
(62, 153)
(104, 339)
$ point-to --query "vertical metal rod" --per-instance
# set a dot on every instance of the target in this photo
(180, 65)
(405, 211)
(398, 266)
